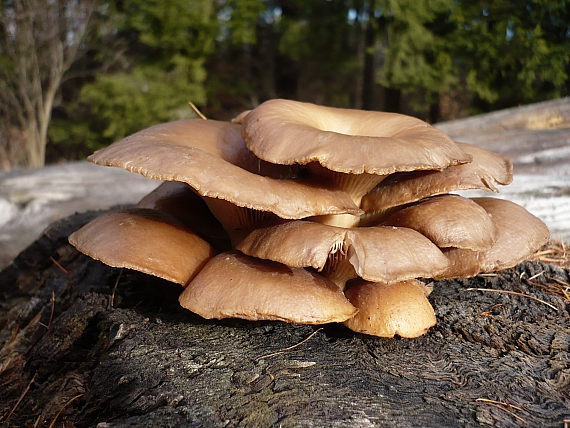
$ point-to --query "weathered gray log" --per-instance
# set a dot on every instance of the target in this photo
(535, 137)
(112, 348)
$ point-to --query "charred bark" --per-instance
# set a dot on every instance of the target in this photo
(112, 348)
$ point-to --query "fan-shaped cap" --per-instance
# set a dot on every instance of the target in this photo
(145, 240)
(448, 221)
(399, 189)
(519, 235)
(386, 254)
(350, 141)
(210, 156)
(233, 285)
(386, 310)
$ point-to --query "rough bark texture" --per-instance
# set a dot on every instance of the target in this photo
(112, 348)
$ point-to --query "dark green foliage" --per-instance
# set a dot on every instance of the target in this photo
(145, 60)
(513, 51)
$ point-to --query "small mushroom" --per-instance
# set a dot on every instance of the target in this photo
(145, 240)
(448, 221)
(386, 310)
(386, 254)
(233, 285)
(519, 234)
(402, 188)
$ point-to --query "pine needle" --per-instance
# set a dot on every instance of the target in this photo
(514, 293)
(198, 112)
(282, 351)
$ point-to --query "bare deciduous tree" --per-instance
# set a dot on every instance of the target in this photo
(39, 41)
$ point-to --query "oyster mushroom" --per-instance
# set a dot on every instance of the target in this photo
(386, 310)
(402, 188)
(448, 221)
(355, 149)
(145, 240)
(233, 285)
(386, 254)
(211, 157)
(519, 234)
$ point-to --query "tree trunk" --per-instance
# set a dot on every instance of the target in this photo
(43, 38)
(84, 344)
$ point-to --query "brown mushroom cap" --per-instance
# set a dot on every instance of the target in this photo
(233, 285)
(448, 221)
(519, 235)
(386, 254)
(402, 188)
(386, 310)
(206, 154)
(350, 141)
(180, 201)
(145, 240)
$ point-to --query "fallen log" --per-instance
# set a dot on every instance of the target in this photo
(83, 344)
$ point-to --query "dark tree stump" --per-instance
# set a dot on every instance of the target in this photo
(112, 348)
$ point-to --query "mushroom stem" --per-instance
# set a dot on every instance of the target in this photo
(339, 220)
(239, 221)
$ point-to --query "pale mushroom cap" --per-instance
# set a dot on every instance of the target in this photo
(519, 235)
(448, 221)
(402, 188)
(197, 151)
(386, 310)
(350, 141)
(145, 240)
(233, 285)
(386, 254)
(180, 201)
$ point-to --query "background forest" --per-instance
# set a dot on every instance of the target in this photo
(76, 75)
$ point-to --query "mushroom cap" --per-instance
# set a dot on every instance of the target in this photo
(402, 188)
(386, 310)
(233, 285)
(349, 141)
(448, 221)
(210, 156)
(519, 235)
(386, 254)
(145, 240)
(180, 201)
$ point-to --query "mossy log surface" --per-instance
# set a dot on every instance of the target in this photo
(87, 345)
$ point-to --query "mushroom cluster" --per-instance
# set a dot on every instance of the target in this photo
(311, 215)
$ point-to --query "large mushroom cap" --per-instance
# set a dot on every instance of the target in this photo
(350, 141)
(519, 235)
(386, 310)
(233, 285)
(386, 254)
(201, 153)
(448, 221)
(402, 188)
(145, 240)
